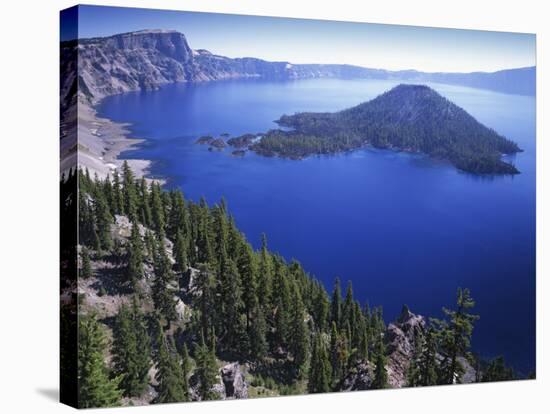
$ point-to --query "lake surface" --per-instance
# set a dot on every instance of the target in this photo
(403, 228)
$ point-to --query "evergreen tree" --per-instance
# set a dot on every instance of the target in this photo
(206, 301)
(103, 220)
(169, 374)
(281, 303)
(336, 304)
(186, 366)
(320, 373)
(455, 335)
(117, 199)
(180, 251)
(338, 357)
(163, 286)
(145, 214)
(265, 276)
(321, 308)
(86, 221)
(247, 268)
(86, 270)
(157, 209)
(134, 270)
(347, 307)
(129, 195)
(424, 366)
(498, 371)
(298, 338)
(380, 374)
(207, 370)
(176, 216)
(95, 389)
(131, 349)
(230, 300)
(257, 334)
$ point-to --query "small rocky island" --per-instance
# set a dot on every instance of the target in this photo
(412, 118)
(214, 143)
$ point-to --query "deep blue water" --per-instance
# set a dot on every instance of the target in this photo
(403, 228)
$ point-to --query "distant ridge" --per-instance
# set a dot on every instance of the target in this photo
(149, 58)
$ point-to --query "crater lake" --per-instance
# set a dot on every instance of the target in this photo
(405, 229)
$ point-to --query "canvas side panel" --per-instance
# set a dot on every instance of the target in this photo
(68, 207)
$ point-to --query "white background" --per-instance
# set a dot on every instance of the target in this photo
(29, 204)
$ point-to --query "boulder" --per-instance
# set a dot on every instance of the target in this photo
(234, 381)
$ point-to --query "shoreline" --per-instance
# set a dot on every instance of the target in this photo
(101, 141)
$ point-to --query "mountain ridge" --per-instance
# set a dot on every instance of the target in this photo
(147, 59)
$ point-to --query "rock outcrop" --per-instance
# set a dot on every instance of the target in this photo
(231, 383)
(359, 378)
(234, 381)
(400, 341)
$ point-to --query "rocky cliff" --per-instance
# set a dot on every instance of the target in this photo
(149, 58)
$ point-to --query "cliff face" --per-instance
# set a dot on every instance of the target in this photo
(132, 61)
(149, 58)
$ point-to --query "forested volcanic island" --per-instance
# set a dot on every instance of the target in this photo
(412, 118)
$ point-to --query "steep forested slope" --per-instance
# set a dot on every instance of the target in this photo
(176, 305)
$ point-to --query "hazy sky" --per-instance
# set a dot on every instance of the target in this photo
(314, 41)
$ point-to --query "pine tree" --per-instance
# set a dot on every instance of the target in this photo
(246, 264)
(257, 334)
(347, 307)
(207, 370)
(86, 270)
(320, 372)
(186, 366)
(103, 220)
(157, 209)
(321, 308)
(129, 192)
(498, 371)
(230, 300)
(145, 214)
(298, 338)
(281, 303)
(454, 336)
(95, 389)
(424, 366)
(336, 304)
(175, 214)
(86, 220)
(180, 251)
(169, 374)
(163, 286)
(338, 356)
(265, 276)
(380, 374)
(131, 349)
(206, 301)
(117, 199)
(134, 270)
